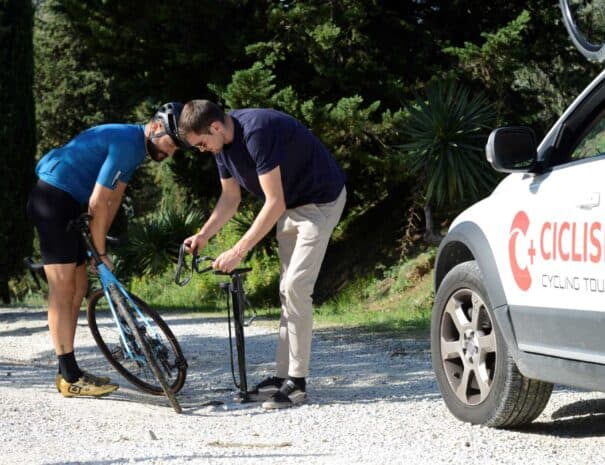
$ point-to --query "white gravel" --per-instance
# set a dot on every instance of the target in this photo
(373, 400)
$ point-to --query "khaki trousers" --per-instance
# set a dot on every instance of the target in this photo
(303, 234)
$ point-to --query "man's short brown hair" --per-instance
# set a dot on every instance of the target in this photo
(198, 115)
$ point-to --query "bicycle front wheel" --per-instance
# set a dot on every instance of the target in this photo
(585, 23)
(163, 344)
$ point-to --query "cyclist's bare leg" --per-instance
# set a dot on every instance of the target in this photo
(61, 292)
(80, 292)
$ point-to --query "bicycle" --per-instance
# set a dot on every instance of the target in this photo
(585, 23)
(140, 346)
(234, 290)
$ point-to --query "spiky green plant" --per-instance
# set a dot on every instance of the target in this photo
(447, 130)
(153, 245)
(243, 221)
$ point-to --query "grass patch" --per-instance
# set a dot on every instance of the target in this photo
(399, 300)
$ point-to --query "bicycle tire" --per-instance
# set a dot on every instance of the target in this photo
(126, 314)
(592, 51)
(117, 362)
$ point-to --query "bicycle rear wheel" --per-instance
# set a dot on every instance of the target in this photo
(585, 23)
(165, 346)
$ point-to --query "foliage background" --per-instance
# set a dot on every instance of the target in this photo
(17, 136)
(357, 72)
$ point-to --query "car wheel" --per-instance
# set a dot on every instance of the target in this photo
(477, 376)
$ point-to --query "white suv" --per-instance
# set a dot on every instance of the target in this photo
(520, 276)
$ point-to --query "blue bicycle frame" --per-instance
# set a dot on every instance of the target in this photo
(108, 279)
(139, 340)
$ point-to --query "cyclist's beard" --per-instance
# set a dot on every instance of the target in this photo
(153, 151)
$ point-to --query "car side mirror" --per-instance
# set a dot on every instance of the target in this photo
(512, 150)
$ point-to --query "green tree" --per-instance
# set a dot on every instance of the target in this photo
(526, 64)
(447, 131)
(356, 133)
(143, 53)
(165, 50)
(17, 135)
(490, 61)
(73, 92)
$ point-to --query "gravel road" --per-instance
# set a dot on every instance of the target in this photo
(373, 400)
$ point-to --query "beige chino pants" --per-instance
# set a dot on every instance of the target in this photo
(303, 234)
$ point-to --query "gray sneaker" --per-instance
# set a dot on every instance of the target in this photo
(265, 389)
(288, 396)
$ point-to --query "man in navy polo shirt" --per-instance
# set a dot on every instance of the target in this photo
(276, 158)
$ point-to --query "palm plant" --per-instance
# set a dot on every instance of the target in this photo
(242, 222)
(153, 244)
(447, 131)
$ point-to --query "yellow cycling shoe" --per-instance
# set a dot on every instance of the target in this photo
(88, 376)
(85, 387)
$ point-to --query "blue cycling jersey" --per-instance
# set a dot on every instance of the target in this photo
(102, 154)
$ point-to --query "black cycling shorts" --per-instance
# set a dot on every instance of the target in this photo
(51, 210)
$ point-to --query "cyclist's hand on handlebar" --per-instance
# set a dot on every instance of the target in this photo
(194, 243)
(105, 260)
(227, 261)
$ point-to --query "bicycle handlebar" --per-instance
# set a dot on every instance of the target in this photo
(195, 266)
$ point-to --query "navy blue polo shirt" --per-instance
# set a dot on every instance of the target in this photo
(264, 139)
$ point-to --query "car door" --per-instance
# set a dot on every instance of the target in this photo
(556, 288)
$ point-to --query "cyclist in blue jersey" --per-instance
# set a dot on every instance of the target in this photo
(276, 158)
(90, 171)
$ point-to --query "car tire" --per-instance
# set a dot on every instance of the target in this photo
(478, 378)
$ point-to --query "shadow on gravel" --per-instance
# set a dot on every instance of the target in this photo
(349, 366)
(24, 331)
(9, 316)
(581, 419)
(346, 366)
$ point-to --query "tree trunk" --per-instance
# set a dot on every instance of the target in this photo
(430, 235)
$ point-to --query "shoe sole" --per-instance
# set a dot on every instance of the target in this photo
(89, 395)
(261, 396)
(295, 400)
(102, 379)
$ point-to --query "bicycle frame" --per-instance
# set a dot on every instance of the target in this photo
(108, 279)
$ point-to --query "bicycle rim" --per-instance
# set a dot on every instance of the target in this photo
(585, 23)
(166, 347)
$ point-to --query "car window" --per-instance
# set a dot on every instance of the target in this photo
(593, 143)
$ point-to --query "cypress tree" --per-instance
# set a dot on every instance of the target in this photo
(17, 136)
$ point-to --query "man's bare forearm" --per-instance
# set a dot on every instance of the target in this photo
(265, 220)
(100, 223)
(225, 209)
(103, 207)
